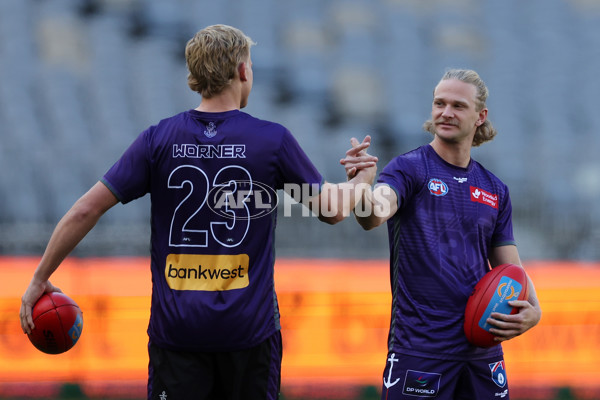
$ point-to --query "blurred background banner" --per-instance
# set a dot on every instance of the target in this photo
(335, 319)
(80, 79)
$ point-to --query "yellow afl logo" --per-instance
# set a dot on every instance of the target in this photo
(512, 291)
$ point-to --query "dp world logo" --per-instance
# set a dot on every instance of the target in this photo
(242, 199)
(423, 384)
(437, 187)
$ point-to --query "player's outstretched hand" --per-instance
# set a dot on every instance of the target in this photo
(509, 326)
(31, 296)
(357, 157)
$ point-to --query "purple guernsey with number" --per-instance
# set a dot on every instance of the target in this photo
(212, 178)
(448, 219)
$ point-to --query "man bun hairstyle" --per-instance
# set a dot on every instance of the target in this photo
(213, 56)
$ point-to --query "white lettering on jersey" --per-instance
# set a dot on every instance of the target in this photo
(209, 151)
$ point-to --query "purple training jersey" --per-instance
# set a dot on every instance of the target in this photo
(212, 178)
(448, 218)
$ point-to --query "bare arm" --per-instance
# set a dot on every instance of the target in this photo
(376, 206)
(530, 312)
(71, 229)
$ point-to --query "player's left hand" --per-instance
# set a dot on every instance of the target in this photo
(509, 326)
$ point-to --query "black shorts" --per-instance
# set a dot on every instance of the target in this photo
(250, 374)
(406, 377)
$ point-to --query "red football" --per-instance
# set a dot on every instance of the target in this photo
(58, 323)
(492, 293)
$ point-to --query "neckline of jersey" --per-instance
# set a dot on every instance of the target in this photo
(466, 169)
(213, 115)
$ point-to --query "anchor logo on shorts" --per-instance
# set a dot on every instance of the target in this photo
(163, 395)
(389, 382)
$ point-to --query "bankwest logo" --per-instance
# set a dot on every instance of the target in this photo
(207, 272)
(483, 197)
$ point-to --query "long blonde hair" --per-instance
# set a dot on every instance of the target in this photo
(212, 58)
(485, 132)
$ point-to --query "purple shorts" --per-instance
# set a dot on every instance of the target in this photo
(411, 378)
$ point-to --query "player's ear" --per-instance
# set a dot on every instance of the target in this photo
(482, 117)
(242, 72)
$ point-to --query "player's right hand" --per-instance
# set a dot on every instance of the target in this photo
(31, 296)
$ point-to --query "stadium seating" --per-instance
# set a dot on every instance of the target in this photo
(82, 78)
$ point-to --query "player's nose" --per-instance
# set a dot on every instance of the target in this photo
(447, 112)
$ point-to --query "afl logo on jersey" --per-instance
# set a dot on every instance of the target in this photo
(437, 187)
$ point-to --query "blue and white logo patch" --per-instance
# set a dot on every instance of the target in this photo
(437, 187)
(498, 373)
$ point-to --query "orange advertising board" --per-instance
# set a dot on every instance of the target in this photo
(335, 318)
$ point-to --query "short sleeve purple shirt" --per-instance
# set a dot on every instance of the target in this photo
(212, 178)
(448, 220)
